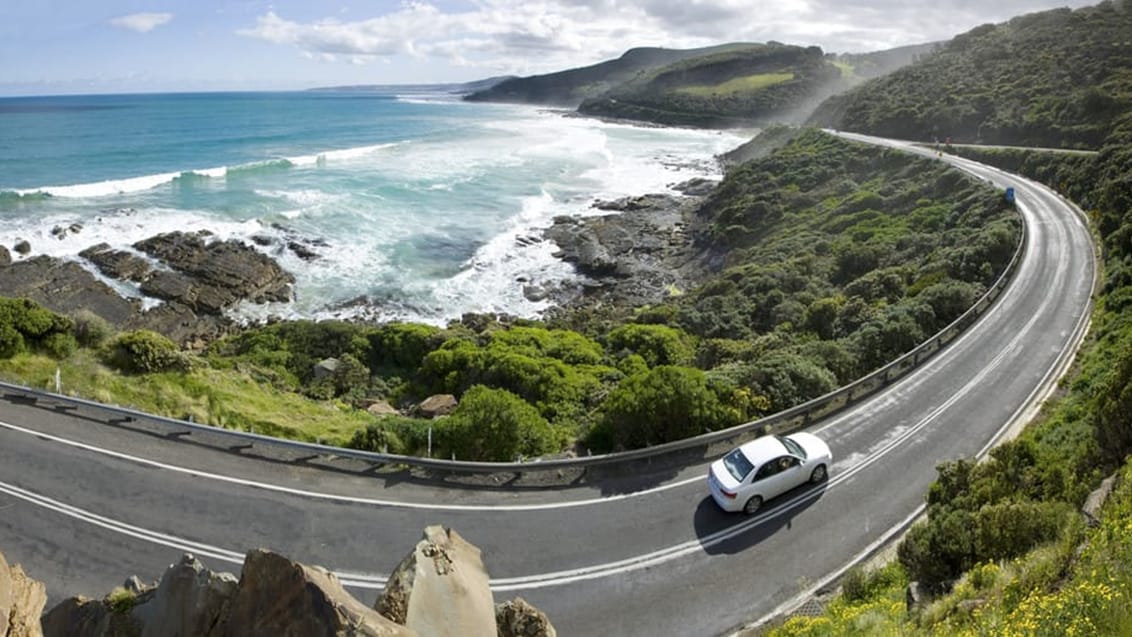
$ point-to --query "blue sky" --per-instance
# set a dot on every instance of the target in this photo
(99, 46)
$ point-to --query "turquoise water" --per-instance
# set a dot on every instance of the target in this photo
(413, 202)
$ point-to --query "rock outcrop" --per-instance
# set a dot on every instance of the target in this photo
(518, 618)
(197, 279)
(280, 598)
(213, 276)
(189, 600)
(439, 590)
(446, 572)
(64, 286)
(437, 405)
(5, 256)
(117, 264)
(640, 255)
(21, 602)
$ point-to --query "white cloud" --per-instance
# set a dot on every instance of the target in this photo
(536, 36)
(141, 22)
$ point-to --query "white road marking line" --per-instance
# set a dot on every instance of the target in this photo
(344, 498)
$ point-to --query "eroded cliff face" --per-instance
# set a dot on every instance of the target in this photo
(439, 590)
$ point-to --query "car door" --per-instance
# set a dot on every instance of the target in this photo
(778, 476)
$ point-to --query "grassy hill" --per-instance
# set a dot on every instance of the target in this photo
(734, 84)
(1058, 78)
(745, 86)
(571, 87)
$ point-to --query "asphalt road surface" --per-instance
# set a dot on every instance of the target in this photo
(83, 504)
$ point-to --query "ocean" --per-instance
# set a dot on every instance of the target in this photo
(415, 203)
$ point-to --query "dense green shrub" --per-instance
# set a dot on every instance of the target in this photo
(1113, 405)
(91, 330)
(402, 346)
(11, 341)
(662, 404)
(59, 345)
(657, 344)
(378, 437)
(495, 425)
(25, 325)
(145, 352)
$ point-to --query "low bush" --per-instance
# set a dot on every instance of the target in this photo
(145, 352)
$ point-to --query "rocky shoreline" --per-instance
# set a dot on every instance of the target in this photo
(639, 253)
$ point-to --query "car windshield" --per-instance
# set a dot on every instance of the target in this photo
(737, 465)
(793, 447)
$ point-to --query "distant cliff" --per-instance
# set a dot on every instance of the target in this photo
(736, 84)
(570, 88)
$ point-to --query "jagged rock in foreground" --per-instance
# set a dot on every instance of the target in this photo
(21, 602)
(281, 598)
(274, 597)
(439, 590)
(517, 618)
(443, 573)
(190, 600)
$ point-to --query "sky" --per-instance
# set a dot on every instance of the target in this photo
(50, 47)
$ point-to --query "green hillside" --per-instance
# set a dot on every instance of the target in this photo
(1052, 78)
(570, 87)
(1058, 78)
(746, 86)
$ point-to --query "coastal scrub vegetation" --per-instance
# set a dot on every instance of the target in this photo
(1056, 78)
(1002, 548)
(823, 260)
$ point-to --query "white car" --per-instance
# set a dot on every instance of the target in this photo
(767, 467)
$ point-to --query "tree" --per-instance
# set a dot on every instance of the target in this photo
(495, 425)
(662, 404)
(657, 344)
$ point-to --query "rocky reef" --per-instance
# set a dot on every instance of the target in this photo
(197, 276)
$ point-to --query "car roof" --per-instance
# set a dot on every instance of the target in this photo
(762, 449)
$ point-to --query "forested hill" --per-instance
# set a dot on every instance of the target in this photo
(1058, 78)
(570, 87)
(753, 85)
(733, 84)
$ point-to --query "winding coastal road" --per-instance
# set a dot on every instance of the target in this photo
(83, 505)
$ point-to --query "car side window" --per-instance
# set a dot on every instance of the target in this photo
(787, 462)
(771, 468)
(767, 470)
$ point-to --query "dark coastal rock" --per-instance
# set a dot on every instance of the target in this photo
(698, 187)
(61, 232)
(22, 247)
(638, 202)
(65, 287)
(118, 264)
(180, 324)
(5, 256)
(222, 272)
(302, 251)
(641, 254)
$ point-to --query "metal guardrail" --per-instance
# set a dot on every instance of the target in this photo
(680, 451)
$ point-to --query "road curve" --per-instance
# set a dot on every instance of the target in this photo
(83, 505)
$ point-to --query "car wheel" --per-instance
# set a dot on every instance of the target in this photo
(753, 504)
(819, 474)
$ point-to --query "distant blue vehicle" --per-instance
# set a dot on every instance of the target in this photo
(1010, 195)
